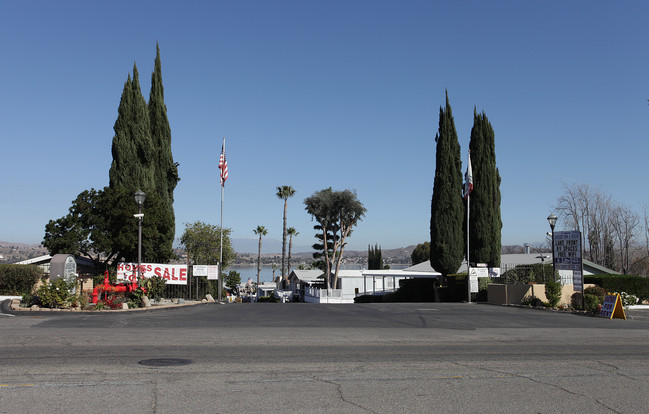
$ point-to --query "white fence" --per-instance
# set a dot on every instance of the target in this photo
(315, 295)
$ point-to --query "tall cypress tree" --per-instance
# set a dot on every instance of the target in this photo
(142, 159)
(447, 211)
(485, 222)
(132, 149)
(165, 170)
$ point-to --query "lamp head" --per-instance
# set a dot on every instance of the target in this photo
(552, 219)
(140, 197)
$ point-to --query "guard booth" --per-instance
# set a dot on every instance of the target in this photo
(63, 266)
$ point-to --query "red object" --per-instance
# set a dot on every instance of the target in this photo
(106, 288)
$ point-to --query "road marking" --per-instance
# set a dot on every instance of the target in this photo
(16, 385)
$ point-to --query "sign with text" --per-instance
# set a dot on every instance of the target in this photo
(213, 272)
(474, 274)
(172, 274)
(199, 270)
(567, 250)
(577, 281)
(612, 307)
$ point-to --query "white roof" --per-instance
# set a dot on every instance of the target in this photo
(307, 275)
(38, 259)
(387, 273)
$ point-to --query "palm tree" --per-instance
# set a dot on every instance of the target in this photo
(284, 192)
(261, 231)
(291, 232)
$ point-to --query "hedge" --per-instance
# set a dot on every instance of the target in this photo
(17, 280)
(635, 285)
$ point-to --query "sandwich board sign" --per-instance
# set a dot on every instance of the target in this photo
(612, 307)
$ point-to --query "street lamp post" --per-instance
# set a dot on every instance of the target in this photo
(139, 199)
(552, 219)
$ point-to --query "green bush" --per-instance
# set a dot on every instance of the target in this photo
(553, 292)
(596, 291)
(531, 301)
(575, 300)
(155, 286)
(628, 299)
(592, 303)
(57, 294)
(524, 274)
(17, 280)
(635, 285)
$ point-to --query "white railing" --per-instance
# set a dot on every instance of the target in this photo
(315, 295)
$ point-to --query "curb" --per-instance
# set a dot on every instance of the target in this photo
(12, 306)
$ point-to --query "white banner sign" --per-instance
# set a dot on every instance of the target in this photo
(173, 274)
(199, 270)
(213, 272)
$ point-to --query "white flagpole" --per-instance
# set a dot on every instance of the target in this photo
(221, 249)
(468, 266)
(468, 200)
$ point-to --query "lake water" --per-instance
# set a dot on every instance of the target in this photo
(266, 273)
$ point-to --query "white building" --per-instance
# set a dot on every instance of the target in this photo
(352, 283)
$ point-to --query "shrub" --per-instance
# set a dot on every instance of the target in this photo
(628, 299)
(18, 279)
(523, 274)
(598, 291)
(57, 294)
(531, 301)
(155, 286)
(553, 292)
(576, 300)
(635, 285)
(592, 303)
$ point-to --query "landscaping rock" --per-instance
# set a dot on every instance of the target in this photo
(209, 298)
(146, 302)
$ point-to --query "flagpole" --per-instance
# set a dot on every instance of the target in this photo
(221, 249)
(468, 266)
(468, 200)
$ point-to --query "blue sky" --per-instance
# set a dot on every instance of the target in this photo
(314, 94)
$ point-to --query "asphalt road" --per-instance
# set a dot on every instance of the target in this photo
(362, 358)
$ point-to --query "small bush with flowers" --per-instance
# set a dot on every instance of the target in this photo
(628, 299)
(57, 294)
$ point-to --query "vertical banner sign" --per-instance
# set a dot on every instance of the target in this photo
(474, 274)
(567, 255)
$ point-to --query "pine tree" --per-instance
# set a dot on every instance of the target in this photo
(447, 211)
(485, 222)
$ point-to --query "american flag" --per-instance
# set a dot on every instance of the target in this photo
(468, 180)
(223, 165)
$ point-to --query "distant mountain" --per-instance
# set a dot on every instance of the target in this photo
(305, 253)
(268, 246)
